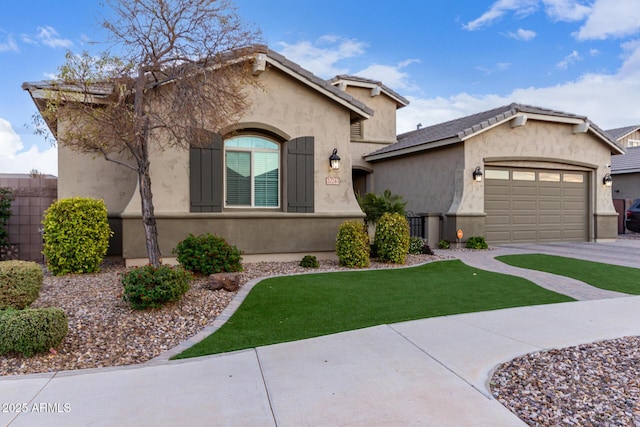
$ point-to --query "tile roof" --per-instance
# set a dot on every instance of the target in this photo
(626, 163)
(619, 133)
(460, 129)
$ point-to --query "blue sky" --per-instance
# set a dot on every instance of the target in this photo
(449, 58)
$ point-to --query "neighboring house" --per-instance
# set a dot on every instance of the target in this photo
(542, 176)
(625, 170)
(290, 203)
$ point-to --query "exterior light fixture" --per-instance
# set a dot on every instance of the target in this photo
(477, 174)
(334, 160)
(607, 181)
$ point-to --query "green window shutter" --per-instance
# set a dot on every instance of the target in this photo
(206, 176)
(300, 170)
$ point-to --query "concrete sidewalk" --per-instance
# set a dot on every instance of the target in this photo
(430, 372)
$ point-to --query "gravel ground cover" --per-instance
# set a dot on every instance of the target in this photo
(594, 384)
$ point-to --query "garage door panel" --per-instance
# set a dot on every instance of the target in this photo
(534, 211)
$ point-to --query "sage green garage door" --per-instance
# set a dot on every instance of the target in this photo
(535, 205)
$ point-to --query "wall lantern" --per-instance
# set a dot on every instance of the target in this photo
(607, 180)
(334, 160)
(477, 174)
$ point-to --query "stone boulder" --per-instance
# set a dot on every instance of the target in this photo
(230, 282)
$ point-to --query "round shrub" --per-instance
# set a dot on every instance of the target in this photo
(150, 287)
(208, 254)
(392, 238)
(352, 244)
(477, 242)
(76, 235)
(443, 244)
(20, 284)
(309, 261)
(32, 330)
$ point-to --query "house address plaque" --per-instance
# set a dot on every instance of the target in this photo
(333, 180)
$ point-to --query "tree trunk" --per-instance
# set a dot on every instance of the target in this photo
(148, 217)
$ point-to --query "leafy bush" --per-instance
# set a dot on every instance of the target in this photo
(20, 283)
(477, 242)
(375, 205)
(309, 261)
(415, 245)
(76, 235)
(443, 244)
(5, 212)
(392, 238)
(208, 254)
(32, 330)
(149, 287)
(352, 244)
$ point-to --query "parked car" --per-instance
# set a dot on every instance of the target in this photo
(632, 221)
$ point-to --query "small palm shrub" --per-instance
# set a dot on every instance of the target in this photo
(20, 284)
(150, 287)
(76, 235)
(477, 242)
(392, 238)
(208, 254)
(352, 244)
(375, 205)
(443, 244)
(32, 330)
(309, 261)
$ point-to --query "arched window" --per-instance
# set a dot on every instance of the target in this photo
(252, 172)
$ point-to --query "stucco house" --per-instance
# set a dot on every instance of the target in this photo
(513, 174)
(266, 183)
(625, 170)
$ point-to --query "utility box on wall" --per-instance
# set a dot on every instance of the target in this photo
(32, 195)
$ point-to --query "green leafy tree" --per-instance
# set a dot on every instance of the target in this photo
(179, 74)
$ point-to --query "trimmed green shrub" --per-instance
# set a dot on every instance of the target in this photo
(477, 242)
(32, 330)
(6, 197)
(352, 244)
(150, 287)
(208, 254)
(443, 244)
(20, 284)
(76, 235)
(309, 261)
(415, 245)
(392, 238)
(375, 205)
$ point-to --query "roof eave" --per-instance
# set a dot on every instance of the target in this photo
(410, 150)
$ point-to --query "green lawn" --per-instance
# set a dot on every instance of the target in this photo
(290, 308)
(604, 276)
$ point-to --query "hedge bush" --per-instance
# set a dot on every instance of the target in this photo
(309, 261)
(32, 331)
(477, 242)
(415, 245)
(76, 235)
(352, 244)
(208, 254)
(392, 238)
(443, 244)
(149, 287)
(20, 284)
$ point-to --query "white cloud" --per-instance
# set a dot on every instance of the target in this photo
(566, 10)
(604, 98)
(391, 75)
(570, 59)
(48, 36)
(14, 160)
(500, 66)
(322, 56)
(500, 8)
(9, 45)
(611, 18)
(521, 34)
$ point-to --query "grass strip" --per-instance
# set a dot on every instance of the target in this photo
(604, 276)
(290, 308)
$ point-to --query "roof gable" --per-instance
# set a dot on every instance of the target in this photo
(619, 133)
(459, 130)
(376, 87)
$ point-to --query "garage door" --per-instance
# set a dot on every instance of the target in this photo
(535, 205)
